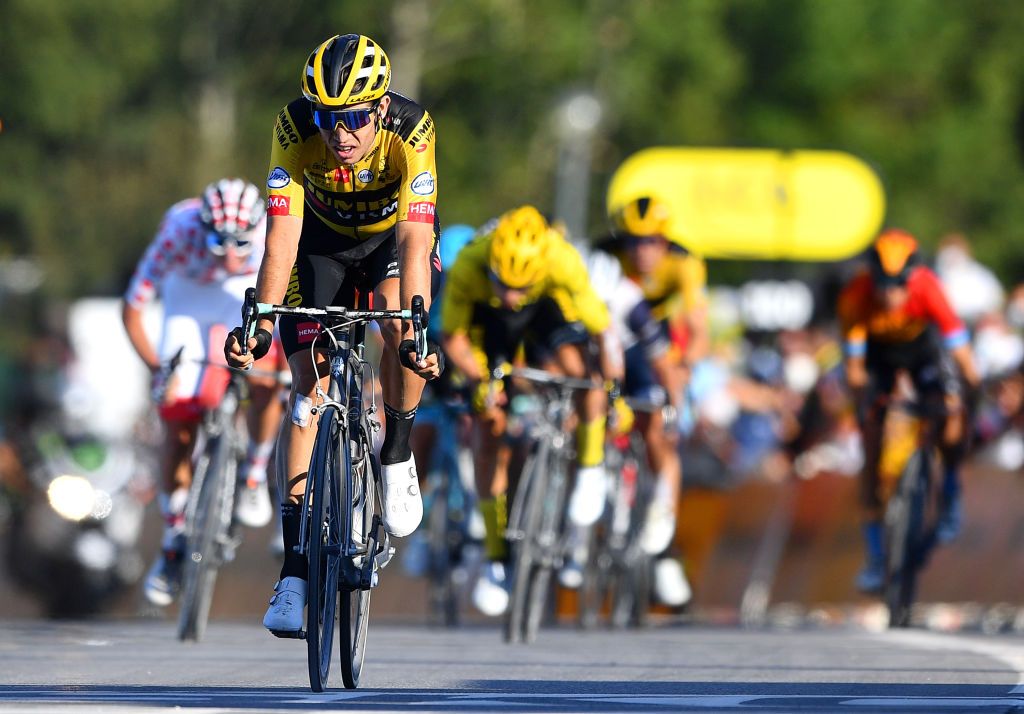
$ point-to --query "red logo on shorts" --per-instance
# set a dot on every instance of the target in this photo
(278, 205)
(421, 212)
(307, 331)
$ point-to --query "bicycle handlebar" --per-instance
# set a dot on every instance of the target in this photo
(251, 310)
(540, 376)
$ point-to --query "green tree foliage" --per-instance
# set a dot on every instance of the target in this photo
(114, 110)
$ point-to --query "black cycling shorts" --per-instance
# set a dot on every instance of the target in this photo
(540, 327)
(930, 367)
(320, 277)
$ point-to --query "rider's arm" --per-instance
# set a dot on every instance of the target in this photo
(461, 291)
(275, 271)
(853, 308)
(165, 252)
(695, 302)
(571, 276)
(459, 350)
(131, 316)
(417, 200)
(415, 243)
(955, 337)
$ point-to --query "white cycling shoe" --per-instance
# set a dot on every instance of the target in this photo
(586, 504)
(403, 507)
(491, 592)
(252, 504)
(670, 584)
(284, 616)
(659, 526)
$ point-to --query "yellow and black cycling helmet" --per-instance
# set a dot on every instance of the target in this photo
(892, 257)
(644, 216)
(519, 248)
(346, 70)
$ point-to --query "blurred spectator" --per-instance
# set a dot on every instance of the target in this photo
(998, 348)
(973, 290)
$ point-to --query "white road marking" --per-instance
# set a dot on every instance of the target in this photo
(1008, 653)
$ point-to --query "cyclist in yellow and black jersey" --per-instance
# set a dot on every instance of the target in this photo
(521, 284)
(351, 204)
(361, 202)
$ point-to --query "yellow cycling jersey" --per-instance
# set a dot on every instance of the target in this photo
(468, 283)
(396, 181)
(677, 285)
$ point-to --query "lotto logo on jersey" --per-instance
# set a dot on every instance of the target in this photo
(423, 185)
(306, 332)
(421, 212)
(278, 178)
(278, 205)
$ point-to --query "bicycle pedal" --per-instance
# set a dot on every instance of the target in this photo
(289, 634)
(384, 556)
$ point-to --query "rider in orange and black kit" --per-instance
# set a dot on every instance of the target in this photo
(895, 316)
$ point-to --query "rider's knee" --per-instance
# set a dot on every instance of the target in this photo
(302, 410)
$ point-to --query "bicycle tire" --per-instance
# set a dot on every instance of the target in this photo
(526, 509)
(323, 550)
(550, 541)
(904, 520)
(354, 613)
(595, 588)
(214, 485)
(443, 609)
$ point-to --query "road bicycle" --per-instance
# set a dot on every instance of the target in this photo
(449, 504)
(536, 519)
(911, 514)
(617, 575)
(341, 532)
(211, 536)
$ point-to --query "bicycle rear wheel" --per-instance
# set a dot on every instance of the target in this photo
(355, 604)
(904, 521)
(213, 494)
(324, 549)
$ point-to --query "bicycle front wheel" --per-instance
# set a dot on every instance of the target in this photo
(550, 541)
(213, 491)
(324, 550)
(360, 492)
(904, 527)
(524, 520)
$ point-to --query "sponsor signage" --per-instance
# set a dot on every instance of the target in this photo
(423, 184)
(278, 205)
(278, 178)
(421, 212)
(758, 203)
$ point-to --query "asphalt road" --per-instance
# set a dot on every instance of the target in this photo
(138, 666)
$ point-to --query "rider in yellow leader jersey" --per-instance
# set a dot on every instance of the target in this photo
(521, 283)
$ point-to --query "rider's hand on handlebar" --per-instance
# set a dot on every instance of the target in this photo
(430, 367)
(259, 345)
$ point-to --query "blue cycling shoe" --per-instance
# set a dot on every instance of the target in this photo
(871, 579)
(951, 517)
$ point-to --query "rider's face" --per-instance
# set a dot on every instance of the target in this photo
(350, 147)
(233, 259)
(645, 252)
(894, 296)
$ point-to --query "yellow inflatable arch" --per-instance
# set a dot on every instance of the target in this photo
(758, 204)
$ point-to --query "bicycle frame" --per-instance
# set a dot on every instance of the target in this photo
(342, 482)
